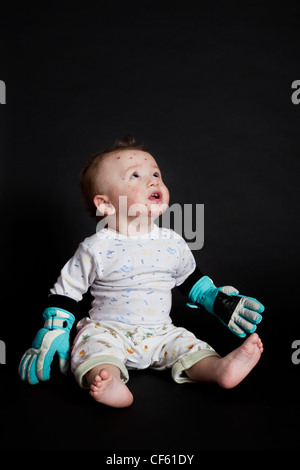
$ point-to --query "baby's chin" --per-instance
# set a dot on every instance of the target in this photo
(155, 210)
(151, 209)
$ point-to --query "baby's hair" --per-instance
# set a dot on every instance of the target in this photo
(88, 175)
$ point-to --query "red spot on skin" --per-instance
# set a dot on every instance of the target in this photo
(118, 158)
(123, 178)
(146, 158)
(131, 158)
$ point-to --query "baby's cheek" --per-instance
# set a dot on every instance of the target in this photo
(136, 201)
(134, 196)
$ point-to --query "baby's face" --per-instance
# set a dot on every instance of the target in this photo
(134, 174)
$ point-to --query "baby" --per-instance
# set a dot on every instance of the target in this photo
(131, 266)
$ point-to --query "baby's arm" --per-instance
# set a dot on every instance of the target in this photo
(59, 317)
(239, 313)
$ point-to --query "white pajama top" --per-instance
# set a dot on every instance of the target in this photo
(130, 278)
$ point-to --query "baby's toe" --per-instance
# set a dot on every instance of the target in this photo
(104, 374)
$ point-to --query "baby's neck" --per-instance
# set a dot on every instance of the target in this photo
(133, 227)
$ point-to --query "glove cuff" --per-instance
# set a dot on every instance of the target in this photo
(57, 318)
(204, 292)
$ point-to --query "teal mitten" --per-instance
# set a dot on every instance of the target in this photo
(239, 313)
(53, 338)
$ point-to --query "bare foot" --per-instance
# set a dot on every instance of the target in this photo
(110, 390)
(234, 367)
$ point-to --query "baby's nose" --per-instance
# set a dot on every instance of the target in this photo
(152, 182)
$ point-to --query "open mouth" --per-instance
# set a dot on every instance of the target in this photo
(156, 196)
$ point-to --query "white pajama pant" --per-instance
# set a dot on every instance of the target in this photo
(135, 347)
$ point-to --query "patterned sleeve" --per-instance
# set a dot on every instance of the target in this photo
(186, 263)
(77, 275)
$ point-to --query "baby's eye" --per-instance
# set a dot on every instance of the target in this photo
(134, 175)
(157, 175)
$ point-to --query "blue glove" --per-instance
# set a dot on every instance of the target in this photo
(54, 337)
(239, 313)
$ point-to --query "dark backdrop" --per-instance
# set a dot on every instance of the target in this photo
(207, 89)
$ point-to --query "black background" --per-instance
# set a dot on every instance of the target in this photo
(207, 90)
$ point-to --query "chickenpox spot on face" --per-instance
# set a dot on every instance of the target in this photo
(118, 157)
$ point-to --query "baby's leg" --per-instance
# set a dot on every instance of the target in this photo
(230, 370)
(107, 387)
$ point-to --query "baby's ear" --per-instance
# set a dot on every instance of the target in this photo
(103, 206)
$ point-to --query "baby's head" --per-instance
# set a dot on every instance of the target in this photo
(124, 170)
